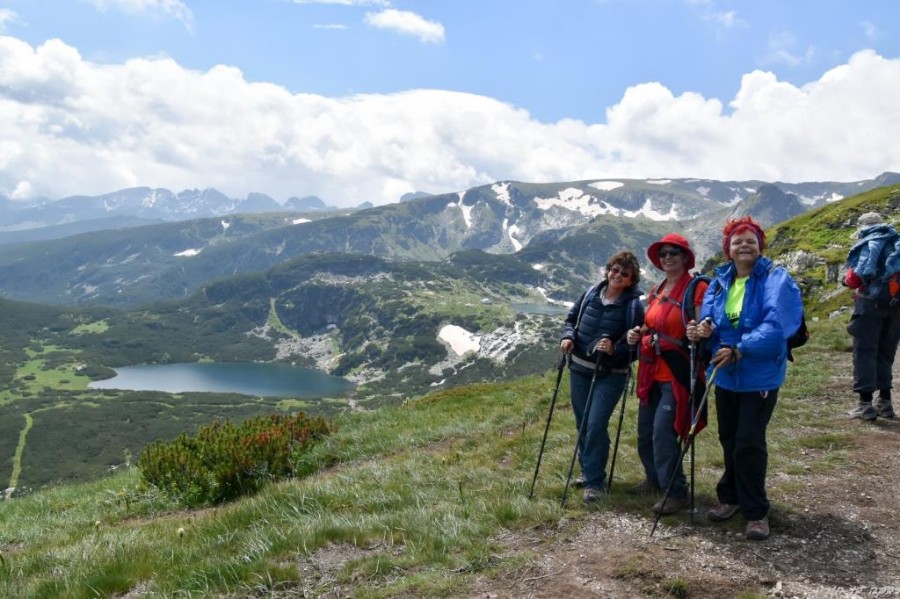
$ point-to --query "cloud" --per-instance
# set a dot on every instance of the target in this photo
(871, 31)
(783, 49)
(726, 19)
(723, 20)
(72, 126)
(329, 26)
(7, 16)
(408, 23)
(346, 2)
(171, 8)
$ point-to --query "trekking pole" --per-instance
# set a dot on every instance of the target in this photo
(690, 440)
(560, 367)
(581, 429)
(612, 465)
(691, 508)
(694, 374)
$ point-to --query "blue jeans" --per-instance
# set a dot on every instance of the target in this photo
(593, 446)
(657, 442)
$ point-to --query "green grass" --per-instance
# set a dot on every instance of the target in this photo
(49, 367)
(415, 498)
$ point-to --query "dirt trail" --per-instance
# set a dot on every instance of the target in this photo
(833, 536)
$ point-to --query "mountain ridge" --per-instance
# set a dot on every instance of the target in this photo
(173, 259)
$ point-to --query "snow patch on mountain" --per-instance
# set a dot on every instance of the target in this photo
(188, 253)
(151, 199)
(225, 224)
(659, 181)
(502, 191)
(576, 201)
(511, 232)
(703, 190)
(736, 199)
(606, 185)
(647, 211)
(300, 221)
(459, 339)
(466, 210)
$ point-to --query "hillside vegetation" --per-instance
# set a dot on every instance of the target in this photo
(426, 499)
(373, 320)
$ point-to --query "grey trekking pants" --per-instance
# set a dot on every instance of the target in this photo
(875, 328)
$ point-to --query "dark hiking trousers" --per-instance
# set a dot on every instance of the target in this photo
(743, 418)
(657, 442)
(875, 328)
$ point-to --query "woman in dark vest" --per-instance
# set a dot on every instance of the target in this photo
(594, 339)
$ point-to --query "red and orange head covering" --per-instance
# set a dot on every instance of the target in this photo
(736, 226)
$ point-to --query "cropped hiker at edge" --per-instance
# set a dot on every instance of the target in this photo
(664, 372)
(872, 271)
(752, 307)
(594, 339)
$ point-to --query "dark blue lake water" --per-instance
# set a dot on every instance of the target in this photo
(269, 380)
(540, 309)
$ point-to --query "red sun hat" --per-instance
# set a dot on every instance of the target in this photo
(671, 239)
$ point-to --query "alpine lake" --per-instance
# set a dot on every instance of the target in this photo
(247, 378)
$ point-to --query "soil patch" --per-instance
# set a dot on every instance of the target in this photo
(833, 536)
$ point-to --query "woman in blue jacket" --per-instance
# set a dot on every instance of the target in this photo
(752, 307)
(594, 339)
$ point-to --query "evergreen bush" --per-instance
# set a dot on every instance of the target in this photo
(224, 461)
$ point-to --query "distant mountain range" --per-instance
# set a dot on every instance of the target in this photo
(142, 245)
(655, 199)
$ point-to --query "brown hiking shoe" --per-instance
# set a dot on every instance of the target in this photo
(722, 512)
(671, 506)
(758, 530)
(593, 495)
(883, 408)
(644, 488)
(864, 411)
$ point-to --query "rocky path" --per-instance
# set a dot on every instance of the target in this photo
(834, 535)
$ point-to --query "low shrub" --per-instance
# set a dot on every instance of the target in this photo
(224, 460)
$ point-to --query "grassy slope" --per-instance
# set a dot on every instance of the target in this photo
(820, 239)
(415, 498)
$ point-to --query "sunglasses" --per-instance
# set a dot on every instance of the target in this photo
(615, 270)
(667, 253)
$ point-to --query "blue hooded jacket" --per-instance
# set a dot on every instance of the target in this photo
(873, 258)
(770, 314)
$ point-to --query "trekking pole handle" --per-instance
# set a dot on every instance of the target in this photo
(694, 327)
(635, 334)
(600, 341)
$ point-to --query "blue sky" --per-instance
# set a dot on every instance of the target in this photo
(363, 100)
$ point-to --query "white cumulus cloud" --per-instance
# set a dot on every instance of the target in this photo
(172, 8)
(72, 126)
(407, 23)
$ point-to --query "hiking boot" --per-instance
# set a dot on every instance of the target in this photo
(864, 411)
(671, 506)
(578, 483)
(883, 408)
(758, 530)
(722, 512)
(592, 495)
(644, 488)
